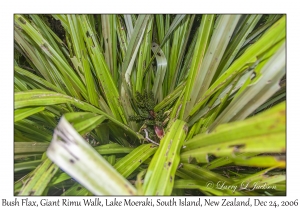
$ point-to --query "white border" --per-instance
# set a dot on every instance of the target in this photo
(152, 6)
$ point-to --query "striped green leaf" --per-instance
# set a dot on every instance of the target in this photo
(76, 157)
(160, 176)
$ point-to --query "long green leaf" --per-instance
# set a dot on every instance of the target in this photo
(247, 26)
(130, 162)
(20, 114)
(160, 176)
(75, 156)
(43, 97)
(64, 67)
(37, 183)
(28, 165)
(199, 52)
(76, 189)
(29, 147)
(259, 125)
(261, 161)
(109, 35)
(276, 33)
(161, 63)
(258, 134)
(134, 40)
(174, 24)
(217, 45)
(256, 94)
(84, 122)
(203, 187)
(37, 79)
(101, 70)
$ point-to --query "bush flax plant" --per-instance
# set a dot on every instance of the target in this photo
(149, 104)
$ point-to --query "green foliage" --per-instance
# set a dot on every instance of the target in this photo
(91, 91)
(150, 120)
